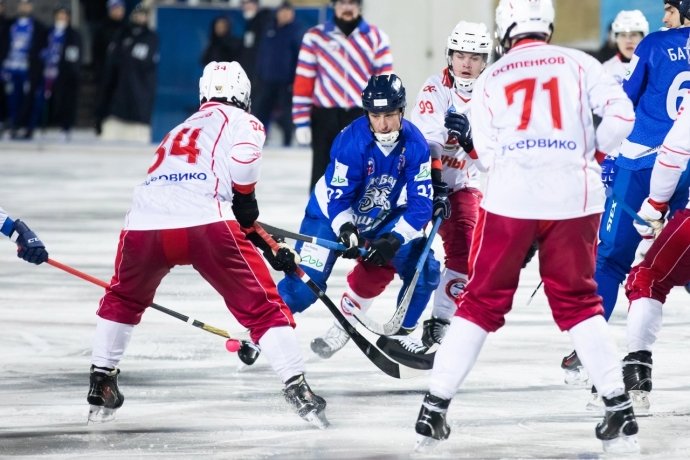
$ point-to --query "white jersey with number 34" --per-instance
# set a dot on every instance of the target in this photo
(531, 115)
(195, 168)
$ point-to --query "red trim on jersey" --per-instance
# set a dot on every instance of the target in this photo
(680, 152)
(213, 158)
(244, 189)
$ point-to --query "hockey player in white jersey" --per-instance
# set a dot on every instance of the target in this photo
(443, 102)
(29, 246)
(666, 264)
(532, 120)
(194, 208)
(628, 28)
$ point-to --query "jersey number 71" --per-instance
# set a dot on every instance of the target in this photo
(528, 85)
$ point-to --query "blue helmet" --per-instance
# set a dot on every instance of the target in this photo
(384, 93)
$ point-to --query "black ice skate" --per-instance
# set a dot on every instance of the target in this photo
(431, 426)
(308, 405)
(618, 430)
(637, 376)
(434, 329)
(248, 352)
(104, 396)
(575, 372)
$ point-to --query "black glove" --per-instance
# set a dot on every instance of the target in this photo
(458, 126)
(350, 238)
(383, 250)
(441, 202)
(245, 208)
(31, 248)
(283, 260)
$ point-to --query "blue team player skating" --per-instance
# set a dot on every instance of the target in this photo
(376, 191)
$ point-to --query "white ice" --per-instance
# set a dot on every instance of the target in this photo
(186, 398)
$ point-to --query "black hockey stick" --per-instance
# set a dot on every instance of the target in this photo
(393, 325)
(378, 358)
(332, 245)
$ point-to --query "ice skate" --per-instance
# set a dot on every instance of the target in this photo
(637, 376)
(575, 372)
(433, 331)
(397, 344)
(104, 396)
(334, 339)
(249, 352)
(308, 405)
(595, 402)
(431, 426)
(618, 430)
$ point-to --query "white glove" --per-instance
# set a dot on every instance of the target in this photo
(653, 213)
(303, 135)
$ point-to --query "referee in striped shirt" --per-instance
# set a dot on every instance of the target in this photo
(335, 62)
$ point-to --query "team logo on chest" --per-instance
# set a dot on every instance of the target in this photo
(370, 166)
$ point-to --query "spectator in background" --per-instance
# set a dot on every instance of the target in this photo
(256, 20)
(276, 63)
(129, 79)
(361, 50)
(61, 71)
(222, 45)
(4, 48)
(110, 30)
(23, 71)
(93, 15)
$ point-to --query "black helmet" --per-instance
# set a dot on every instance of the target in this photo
(683, 7)
(384, 93)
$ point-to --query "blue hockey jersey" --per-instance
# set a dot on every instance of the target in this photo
(659, 74)
(367, 186)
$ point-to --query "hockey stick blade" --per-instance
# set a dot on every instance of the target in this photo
(392, 326)
(328, 244)
(376, 356)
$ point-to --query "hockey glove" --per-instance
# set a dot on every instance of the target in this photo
(303, 135)
(383, 250)
(441, 201)
(30, 247)
(608, 171)
(652, 212)
(284, 260)
(245, 208)
(350, 238)
(458, 126)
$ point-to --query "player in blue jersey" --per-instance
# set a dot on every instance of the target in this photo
(29, 246)
(659, 75)
(376, 191)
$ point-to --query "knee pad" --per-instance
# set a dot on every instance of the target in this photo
(296, 294)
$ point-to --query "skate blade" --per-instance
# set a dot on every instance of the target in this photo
(425, 444)
(318, 419)
(100, 414)
(640, 400)
(622, 445)
(577, 377)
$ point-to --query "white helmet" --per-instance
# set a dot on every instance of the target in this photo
(518, 17)
(225, 80)
(468, 37)
(630, 21)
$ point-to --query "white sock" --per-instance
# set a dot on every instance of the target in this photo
(456, 357)
(644, 323)
(595, 348)
(448, 290)
(281, 348)
(110, 342)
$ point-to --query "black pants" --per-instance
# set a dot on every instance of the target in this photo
(274, 102)
(326, 123)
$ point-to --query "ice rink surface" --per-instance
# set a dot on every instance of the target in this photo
(186, 397)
